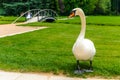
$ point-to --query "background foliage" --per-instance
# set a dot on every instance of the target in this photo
(63, 7)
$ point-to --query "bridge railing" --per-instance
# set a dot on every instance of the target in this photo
(38, 13)
(33, 11)
(45, 13)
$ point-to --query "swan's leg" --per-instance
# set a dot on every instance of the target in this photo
(78, 65)
(91, 68)
(79, 70)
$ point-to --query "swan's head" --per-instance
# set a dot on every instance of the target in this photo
(75, 12)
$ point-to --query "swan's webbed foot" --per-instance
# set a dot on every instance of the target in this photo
(78, 71)
(81, 71)
(90, 68)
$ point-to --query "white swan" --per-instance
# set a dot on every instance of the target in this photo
(83, 49)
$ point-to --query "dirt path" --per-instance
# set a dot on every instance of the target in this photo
(40, 76)
(12, 29)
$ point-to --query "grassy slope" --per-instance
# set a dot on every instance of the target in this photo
(9, 19)
(49, 50)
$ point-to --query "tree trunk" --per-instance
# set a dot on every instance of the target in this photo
(61, 6)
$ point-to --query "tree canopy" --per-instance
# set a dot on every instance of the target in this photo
(63, 7)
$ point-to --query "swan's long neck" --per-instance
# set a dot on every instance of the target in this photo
(83, 25)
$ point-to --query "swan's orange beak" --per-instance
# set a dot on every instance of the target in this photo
(72, 15)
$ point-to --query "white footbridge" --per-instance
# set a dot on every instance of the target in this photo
(38, 15)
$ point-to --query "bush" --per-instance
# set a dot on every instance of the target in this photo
(103, 7)
(15, 8)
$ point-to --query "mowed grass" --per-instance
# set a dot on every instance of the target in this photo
(91, 20)
(9, 19)
(96, 20)
(50, 49)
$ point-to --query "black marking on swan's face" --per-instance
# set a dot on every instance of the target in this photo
(74, 10)
(72, 14)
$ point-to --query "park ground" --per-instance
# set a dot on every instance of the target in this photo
(49, 50)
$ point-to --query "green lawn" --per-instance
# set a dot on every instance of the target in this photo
(97, 20)
(49, 50)
(9, 19)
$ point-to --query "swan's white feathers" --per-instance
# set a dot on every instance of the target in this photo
(84, 49)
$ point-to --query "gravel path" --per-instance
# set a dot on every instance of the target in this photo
(12, 29)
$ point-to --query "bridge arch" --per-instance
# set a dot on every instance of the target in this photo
(39, 15)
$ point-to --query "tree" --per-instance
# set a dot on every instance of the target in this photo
(61, 6)
(69, 5)
(90, 7)
(115, 6)
(103, 7)
(16, 8)
(87, 5)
